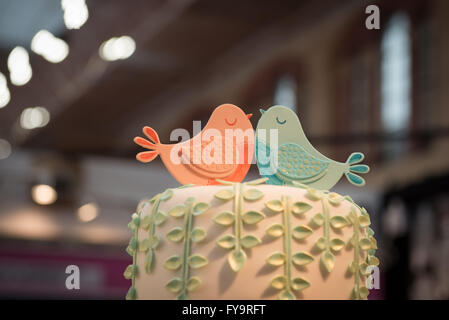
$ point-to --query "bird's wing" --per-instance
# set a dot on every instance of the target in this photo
(209, 169)
(295, 163)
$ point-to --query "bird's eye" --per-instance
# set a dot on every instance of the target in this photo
(281, 122)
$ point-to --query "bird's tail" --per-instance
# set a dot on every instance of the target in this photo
(148, 156)
(354, 167)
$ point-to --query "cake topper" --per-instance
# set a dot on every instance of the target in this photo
(222, 150)
(285, 155)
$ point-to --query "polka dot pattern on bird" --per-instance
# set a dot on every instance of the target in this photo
(296, 164)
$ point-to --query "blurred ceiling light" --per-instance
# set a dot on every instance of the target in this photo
(5, 96)
(75, 13)
(5, 149)
(29, 224)
(19, 66)
(50, 47)
(117, 48)
(43, 194)
(88, 212)
(36, 117)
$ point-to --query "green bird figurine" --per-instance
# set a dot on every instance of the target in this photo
(285, 155)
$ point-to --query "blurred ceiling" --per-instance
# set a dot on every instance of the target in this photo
(97, 106)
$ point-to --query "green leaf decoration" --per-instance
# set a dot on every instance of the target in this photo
(183, 296)
(130, 271)
(327, 261)
(166, 195)
(193, 283)
(365, 244)
(351, 242)
(227, 183)
(186, 186)
(370, 232)
(252, 217)
(131, 226)
(373, 261)
(227, 241)
(352, 267)
(362, 268)
(354, 295)
(197, 261)
(338, 222)
(200, 208)
(300, 208)
(177, 211)
(236, 259)
(363, 212)
(279, 282)
(132, 294)
(286, 295)
(225, 218)
(274, 205)
(198, 234)
(335, 199)
(373, 243)
(225, 194)
(275, 230)
(318, 219)
(155, 242)
(371, 252)
(276, 259)
(144, 245)
(150, 261)
(302, 258)
(337, 244)
(301, 232)
(175, 234)
(320, 244)
(145, 222)
(352, 216)
(135, 219)
(364, 221)
(173, 263)
(363, 292)
(160, 218)
(252, 194)
(129, 250)
(314, 194)
(256, 182)
(174, 285)
(133, 243)
(250, 241)
(299, 284)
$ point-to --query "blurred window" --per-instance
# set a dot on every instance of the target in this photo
(285, 92)
(396, 80)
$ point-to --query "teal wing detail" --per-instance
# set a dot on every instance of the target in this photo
(295, 163)
(263, 156)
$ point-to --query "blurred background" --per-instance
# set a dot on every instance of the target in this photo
(79, 79)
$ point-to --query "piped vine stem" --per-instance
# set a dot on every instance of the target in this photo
(356, 229)
(187, 246)
(238, 215)
(287, 246)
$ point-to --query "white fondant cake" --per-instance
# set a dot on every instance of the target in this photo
(249, 241)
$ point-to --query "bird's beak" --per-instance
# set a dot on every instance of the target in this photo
(249, 115)
(262, 111)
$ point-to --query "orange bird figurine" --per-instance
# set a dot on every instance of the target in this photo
(222, 150)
